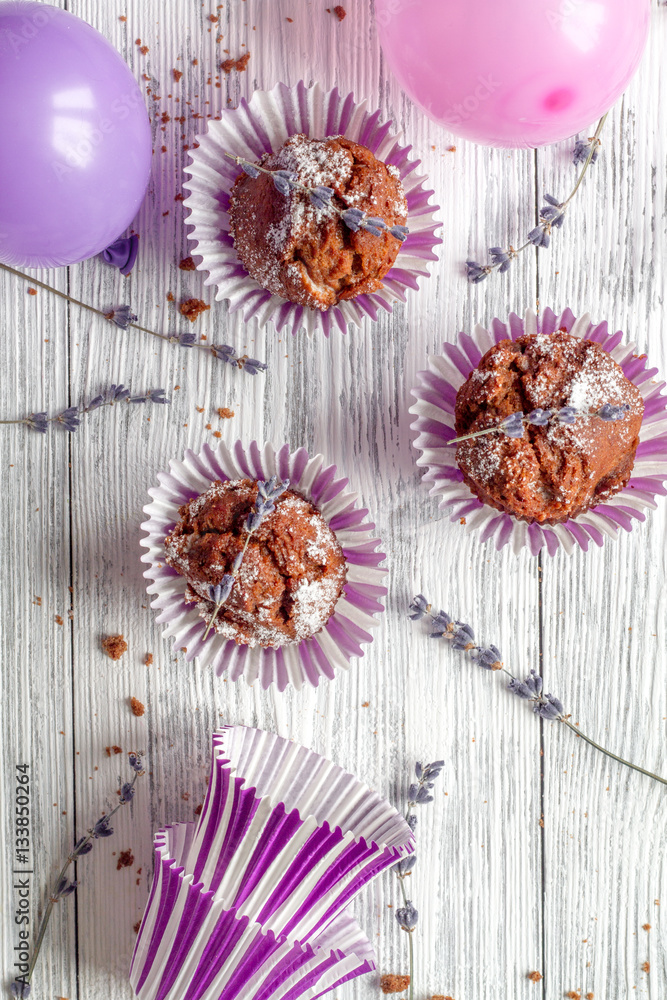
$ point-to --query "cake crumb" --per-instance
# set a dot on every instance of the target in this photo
(290, 19)
(187, 264)
(179, 197)
(225, 413)
(32, 291)
(462, 520)
(573, 995)
(590, 996)
(137, 707)
(112, 750)
(122, 17)
(646, 967)
(114, 646)
(451, 149)
(177, 74)
(217, 434)
(136, 927)
(394, 984)
(144, 50)
(198, 810)
(646, 927)
(534, 976)
(192, 308)
(58, 620)
(170, 296)
(239, 64)
(148, 659)
(125, 860)
(365, 704)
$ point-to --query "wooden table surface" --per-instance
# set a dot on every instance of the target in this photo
(538, 853)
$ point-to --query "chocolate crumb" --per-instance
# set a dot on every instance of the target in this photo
(573, 995)
(646, 927)
(177, 74)
(114, 646)
(137, 926)
(148, 660)
(534, 976)
(198, 810)
(137, 707)
(225, 413)
(143, 50)
(217, 434)
(179, 197)
(187, 264)
(125, 860)
(112, 750)
(365, 704)
(58, 620)
(32, 291)
(192, 308)
(170, 296)
(290, 19)
(239, 64)
(394, 984)
(646, 967)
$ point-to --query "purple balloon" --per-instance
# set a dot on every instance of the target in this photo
(75, 152)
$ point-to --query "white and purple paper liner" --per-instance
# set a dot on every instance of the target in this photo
(434, 429)
(265, 918)
(344, 635)
(192, 945)
(262, 125)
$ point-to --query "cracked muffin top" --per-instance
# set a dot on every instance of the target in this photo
(559, 470)
(307, 254)
(291, 576)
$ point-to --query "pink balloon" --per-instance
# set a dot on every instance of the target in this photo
(513, 72)
(75, 152)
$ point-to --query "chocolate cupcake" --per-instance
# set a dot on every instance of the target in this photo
(321, 231)
(283, 572)
(566, 427)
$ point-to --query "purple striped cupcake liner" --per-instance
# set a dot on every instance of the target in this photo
(278, 818)
(249, 902)
(348, 629)
(434, 429)
(262, 125)
(190, 944)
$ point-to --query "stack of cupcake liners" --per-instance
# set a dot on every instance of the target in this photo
(250, 901)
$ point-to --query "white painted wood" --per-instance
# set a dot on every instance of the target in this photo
(499, 894)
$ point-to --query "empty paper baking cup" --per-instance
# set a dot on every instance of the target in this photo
(347, 630)
(262, 125)
(249, 902)
(434, 429)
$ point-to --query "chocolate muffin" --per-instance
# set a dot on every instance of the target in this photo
(559, 470)
(291, 576)
(307, 254)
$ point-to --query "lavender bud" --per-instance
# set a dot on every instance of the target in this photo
(405, 865)
(127, 792)
(538, 417)
(82, 846)
(249, 168)
(476, 272)
(283, 180)
(122, 317)
(68, 890)
(418, 608)
(534, 683)
(94, 403)
(352, 218)
(20, 989)
(566, 415)
(219, 592)
(252, 366)
(117, 393)
(186, 339)
(412, 821)
(487, 657)
(157, 396)
(500, 259)
(423, 797)
(400, 233)
(520, 689)
(581, 151)
(545, 711)
(373, 226)
(512, 426)
(412, 793)
(38, 422)
(462, 636)
(102, 828)
(135, 762)
(611, 412)
(320, 197)
(539, 237)
(418, 770)
(407, 917)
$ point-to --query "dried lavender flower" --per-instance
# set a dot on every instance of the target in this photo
(63, 887)
(70, 419)
(513, 425)
(552, 216)
(321, 198)
(405, 865)
(122, 316)
(546, 706)
(418, 607)
(407, 918)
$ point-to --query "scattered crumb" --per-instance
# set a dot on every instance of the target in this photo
(185, 796)
(198, 809)
(290, 19)
(573, 995)
(148, 660)
(534, 976)
(199, 409)
(112, 750)
(394, 984)
(143, 50)
(240, 64)
(338, 10)
(646, 967)
(451, 149)
(179, 197)
(58, 620)
(590, 996)
(137, 707)
(192, 308)
(137, 926)
(217, 434)
(125, 860)
(170, 296)
(225, 413)
(646, 927)
(177, 74)
(32, 291)
(38, 601)
(122, 17)
(187, 264)
(365, 704)
(462, 520)
(114, 646)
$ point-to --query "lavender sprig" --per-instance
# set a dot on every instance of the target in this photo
(63, 886)
(268, 491)
(419, 794)
(547, 706)
(123, 317)
(321, 198)
(552, 216)
(513, 426)
(70, 418)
